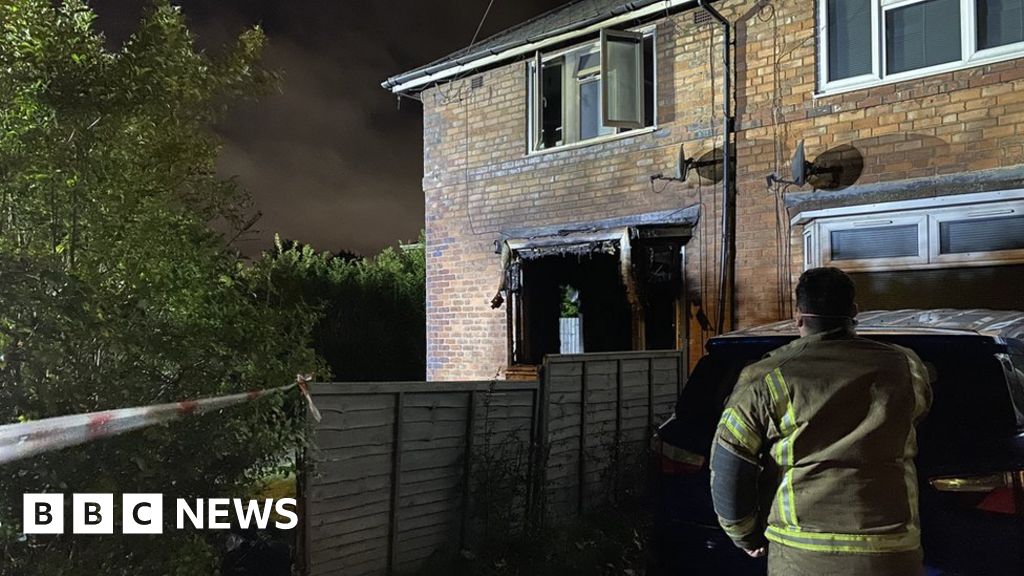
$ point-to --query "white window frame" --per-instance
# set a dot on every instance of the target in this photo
(874, 222)
(1006, 209)
(929, 214)
(970, 55)
(570, 83)
(811, 252)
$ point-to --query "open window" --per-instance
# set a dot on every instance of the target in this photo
(593, 90)
(622, 67)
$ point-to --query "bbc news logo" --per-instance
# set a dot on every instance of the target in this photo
(144, 513)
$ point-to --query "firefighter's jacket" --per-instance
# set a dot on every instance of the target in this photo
(827, 425)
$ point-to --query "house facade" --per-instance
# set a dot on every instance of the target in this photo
(585, 191)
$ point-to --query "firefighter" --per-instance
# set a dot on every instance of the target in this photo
(813, 458)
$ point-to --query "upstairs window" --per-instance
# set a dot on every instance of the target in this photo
(867, 42)
(592, 91)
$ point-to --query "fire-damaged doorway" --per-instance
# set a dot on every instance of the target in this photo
(586, 290)
(596, 288)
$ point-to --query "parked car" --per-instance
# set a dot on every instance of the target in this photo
(971, 445)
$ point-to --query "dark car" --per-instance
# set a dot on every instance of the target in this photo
(971, 445)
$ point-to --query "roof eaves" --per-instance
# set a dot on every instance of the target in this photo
(399, 82)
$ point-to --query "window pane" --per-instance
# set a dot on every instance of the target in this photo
(551, 116)
(808, 247)
(1000, 22)
(981, 235)
(623, 81)
(590, 109)
(868, 243)
(921, 35)
(589, 63)
(849, 38)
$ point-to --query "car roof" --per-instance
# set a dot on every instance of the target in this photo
(1006, 324)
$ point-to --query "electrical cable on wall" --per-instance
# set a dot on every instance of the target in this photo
(472, 42)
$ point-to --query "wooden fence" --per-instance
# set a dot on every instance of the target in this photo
(399, 472)
(600, 411)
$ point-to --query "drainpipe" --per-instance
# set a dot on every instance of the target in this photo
(727, 130)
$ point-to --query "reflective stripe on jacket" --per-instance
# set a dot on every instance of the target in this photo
(828, 423)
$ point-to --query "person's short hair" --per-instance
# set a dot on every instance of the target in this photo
(826, 291)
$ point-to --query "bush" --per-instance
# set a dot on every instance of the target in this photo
(372, 310)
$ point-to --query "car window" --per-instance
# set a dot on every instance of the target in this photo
(970, 396)
(700, 405)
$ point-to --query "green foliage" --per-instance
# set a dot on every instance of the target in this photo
(570, 302)
(372, 310)
(113, 290)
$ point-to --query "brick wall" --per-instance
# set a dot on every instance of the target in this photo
(478, 179)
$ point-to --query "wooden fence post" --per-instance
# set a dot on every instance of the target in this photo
(396, 481)
(650, 395)
(467, 467)
(617, 445)
(534, 458)
(543, 417)
(583, 441)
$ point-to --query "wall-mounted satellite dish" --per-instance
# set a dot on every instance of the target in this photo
(800, 168)
(682, 164)
(685, 165)
(833, 169)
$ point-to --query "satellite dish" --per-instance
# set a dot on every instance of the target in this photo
(798, 167)
(834, 169)
(705, 166)
(682, 164)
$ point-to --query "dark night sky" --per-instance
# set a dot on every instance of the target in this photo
(330, 161)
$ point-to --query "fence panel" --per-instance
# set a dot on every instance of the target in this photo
(385, 484)
(399, 472)
(599, 413)
(348, 499)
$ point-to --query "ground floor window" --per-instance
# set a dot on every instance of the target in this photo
(957, 251)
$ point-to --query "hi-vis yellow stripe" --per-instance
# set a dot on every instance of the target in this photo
(853, 543)
(782, 405)
(739, 430)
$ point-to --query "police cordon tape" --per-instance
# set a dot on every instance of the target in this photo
(27, 439)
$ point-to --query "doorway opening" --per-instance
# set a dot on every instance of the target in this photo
(597, 300)
(584, 293)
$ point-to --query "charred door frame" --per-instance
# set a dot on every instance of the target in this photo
(627, 239)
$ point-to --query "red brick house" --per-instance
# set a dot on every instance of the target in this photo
(541, 142)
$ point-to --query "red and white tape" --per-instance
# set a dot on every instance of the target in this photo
(26, 439)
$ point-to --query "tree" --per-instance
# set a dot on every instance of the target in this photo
(115, 292)
(372, 310)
